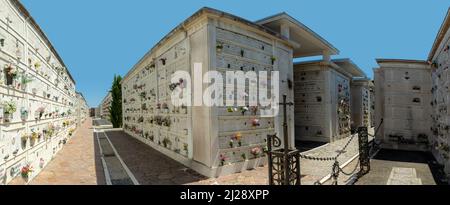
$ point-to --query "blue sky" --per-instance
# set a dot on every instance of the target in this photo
(100, 38)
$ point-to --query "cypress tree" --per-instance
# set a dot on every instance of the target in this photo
(116, 105)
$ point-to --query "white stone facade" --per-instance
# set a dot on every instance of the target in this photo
(361, 103)
(82, 109)
(413, 100)
(212, 140)
(104, 107)
(222, 140)
(403, 101)
(373, 122)
(323, 99)
(37, 96)
(440, 62)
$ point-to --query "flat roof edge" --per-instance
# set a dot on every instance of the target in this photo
(197, 14)
(385, 60)
(440, 35)
(278, 16)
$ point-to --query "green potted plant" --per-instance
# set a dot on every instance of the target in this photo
(37, 65)
(273, 59)
(243, 110)
(166, 142)
(185, 147)
(244, 157)
(24, 81)
(10, 74)
(219, 47)
(9, 108)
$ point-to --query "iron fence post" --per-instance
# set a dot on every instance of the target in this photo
(364, 149)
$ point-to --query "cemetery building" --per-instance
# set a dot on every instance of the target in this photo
(361, 101)
(373, 123)
(323, 99)
(439, 58)
(104, 107)
(403, 102)
(412, 99)
(219, 140)
(82, 108)
(37, 96)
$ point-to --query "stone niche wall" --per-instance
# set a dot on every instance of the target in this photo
(37, 98)
(440, 102)
(403, 101)
(212, 140)
(322, 103)
(360, 105)
(148, 111)
(372, 98)
(242, 132)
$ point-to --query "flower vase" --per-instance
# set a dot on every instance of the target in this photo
(23, 114)
(24, 143)
(2, 112)
(9, 79)
(32, 141)
(7, 117)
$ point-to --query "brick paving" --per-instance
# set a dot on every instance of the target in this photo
(78, 163)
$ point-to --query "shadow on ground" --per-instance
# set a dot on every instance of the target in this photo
(149, 166)
(101, 179)
(415, 157)
(305, 146)
(428, 170)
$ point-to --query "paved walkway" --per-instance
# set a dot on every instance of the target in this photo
(78, 163)
(312, 171)
(151, 167)
(101, 122)
(391, 167)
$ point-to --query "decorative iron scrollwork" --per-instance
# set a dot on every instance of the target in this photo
(274, 141)
(364, 150)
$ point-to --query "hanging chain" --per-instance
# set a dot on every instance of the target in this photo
(336, 169)
(352, 172)
(329, 158)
